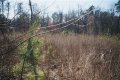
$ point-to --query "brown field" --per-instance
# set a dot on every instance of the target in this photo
(70, 57)
(80, 57)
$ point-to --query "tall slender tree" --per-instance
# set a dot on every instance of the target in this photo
(8, 9)
(31, 10)
(2, 2)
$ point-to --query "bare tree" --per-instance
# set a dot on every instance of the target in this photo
(19, 8)
(8, 9)
(31, 10)
(2, 2)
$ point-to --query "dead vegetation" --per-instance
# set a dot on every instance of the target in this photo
(80, 57)
(68, 57)
(8, 58)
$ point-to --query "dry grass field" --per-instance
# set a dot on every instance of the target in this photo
(80, 57)
(69, 57)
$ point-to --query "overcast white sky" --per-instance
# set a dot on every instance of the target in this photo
(66, 5)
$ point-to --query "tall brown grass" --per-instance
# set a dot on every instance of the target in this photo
(80, 57)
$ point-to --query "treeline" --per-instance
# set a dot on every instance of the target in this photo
(96, 22)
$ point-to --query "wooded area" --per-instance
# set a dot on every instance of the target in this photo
(102, 22)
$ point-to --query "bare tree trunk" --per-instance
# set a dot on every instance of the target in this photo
(2, 8)
(2, 1)
(8, 6)
(31, 10)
